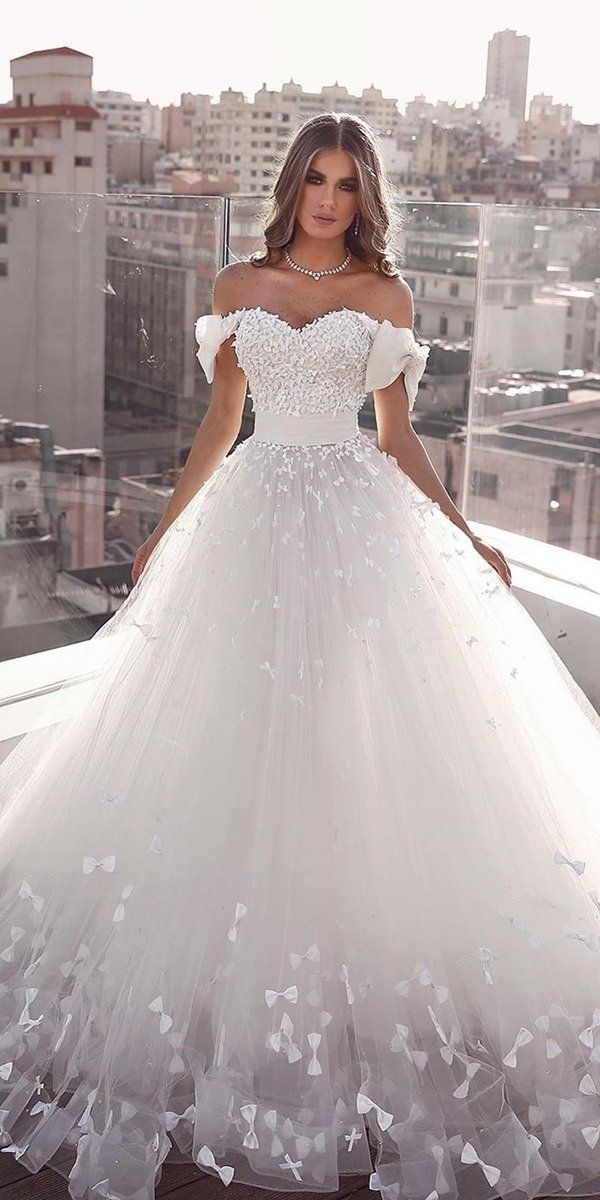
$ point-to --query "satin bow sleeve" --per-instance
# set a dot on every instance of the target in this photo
(395, 350)
(210, 331)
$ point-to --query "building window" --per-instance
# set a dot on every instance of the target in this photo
(83, 160)
(3, 232)
(454, 289)
(26, 167)
(6, 166)
(484, 483)
(3, 269)
(443, 326)
(19, 100)
(47, 167)
(83, 126)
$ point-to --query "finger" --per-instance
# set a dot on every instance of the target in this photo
(503, 561)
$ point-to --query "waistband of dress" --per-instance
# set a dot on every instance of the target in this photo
(308, 429)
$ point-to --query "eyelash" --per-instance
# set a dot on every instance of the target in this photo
(350, 187)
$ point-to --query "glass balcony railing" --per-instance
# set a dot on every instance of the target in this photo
(101, 391)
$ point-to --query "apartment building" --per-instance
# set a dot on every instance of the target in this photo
(52, 247)
(247, 137)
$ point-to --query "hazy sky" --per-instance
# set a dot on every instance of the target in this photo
(435, 48)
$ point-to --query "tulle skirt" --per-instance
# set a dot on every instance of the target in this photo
(304, 881)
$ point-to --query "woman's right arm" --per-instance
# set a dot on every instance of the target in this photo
(219, 427)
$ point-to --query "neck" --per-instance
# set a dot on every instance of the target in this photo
(315, 254)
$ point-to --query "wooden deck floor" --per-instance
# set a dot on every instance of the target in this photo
(178, 1182)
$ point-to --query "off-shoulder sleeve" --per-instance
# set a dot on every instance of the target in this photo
(210, 330)
(394, 350)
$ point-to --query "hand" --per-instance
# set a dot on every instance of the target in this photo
(143, 555)
(494, 557)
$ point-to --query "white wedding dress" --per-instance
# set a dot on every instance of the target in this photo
(313, 857)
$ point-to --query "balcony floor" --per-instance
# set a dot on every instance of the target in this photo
(181, 1180)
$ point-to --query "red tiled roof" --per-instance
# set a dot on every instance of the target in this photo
(81, 111)
(53, 50)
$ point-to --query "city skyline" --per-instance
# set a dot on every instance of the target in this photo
(134, 57)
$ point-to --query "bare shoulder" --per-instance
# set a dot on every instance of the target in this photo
(231, 287)
(392, 300)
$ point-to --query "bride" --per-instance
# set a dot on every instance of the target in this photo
(308, 868)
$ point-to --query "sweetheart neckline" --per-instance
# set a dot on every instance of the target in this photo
(308, 324)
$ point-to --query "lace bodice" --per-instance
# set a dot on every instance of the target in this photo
(326, 366)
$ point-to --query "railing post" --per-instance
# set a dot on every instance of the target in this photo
(225, 228)
(482, 233)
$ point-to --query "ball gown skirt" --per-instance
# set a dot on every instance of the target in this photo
(312, 856)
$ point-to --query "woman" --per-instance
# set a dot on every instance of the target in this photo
(317, 857)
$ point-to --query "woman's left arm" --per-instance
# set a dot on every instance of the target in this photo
(396, 436)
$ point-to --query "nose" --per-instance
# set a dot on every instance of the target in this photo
(327, 198)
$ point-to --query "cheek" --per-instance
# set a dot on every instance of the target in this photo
(347, 204)
(304, 199)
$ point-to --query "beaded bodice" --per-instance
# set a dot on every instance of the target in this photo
(326, 366)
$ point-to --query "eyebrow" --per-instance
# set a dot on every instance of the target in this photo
(343, 178)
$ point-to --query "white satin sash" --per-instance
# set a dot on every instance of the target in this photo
(309, 429)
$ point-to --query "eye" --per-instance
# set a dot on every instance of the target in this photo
(346, 187)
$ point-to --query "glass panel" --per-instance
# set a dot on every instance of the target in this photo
(100, 395)
(534, 453)
(101, 392)
(439, 252)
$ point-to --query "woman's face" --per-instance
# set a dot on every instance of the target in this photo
(330, 189)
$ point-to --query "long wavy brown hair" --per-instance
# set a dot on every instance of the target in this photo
(380, 221)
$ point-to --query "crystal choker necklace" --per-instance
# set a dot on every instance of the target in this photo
(316, 274)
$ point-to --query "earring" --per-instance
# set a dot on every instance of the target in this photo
(356, 221)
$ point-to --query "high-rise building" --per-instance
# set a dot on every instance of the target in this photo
(506, 74)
